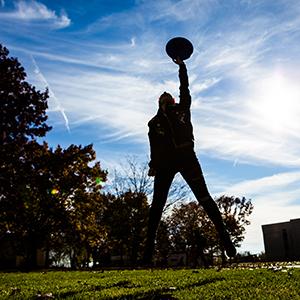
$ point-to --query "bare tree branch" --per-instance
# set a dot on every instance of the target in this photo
(133, 176)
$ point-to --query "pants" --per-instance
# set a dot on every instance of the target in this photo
(188, 166)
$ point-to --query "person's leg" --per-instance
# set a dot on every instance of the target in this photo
(192, 173)
(162, 183)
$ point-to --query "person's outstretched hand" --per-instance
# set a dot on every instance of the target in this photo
(178, 61)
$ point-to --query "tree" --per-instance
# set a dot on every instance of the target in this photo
(125, 218)
(133, 176)
(23, 108)
(235, 213)
(188, 220)
(23, 117)
(48, 198)
(76, 186)
(56, 204)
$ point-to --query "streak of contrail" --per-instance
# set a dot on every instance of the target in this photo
(236, 161)
(51, 94)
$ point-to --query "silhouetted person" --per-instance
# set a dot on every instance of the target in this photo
(172, 150)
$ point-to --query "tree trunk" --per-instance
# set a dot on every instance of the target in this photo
(223, 257)
(73, 260)
(31, 253)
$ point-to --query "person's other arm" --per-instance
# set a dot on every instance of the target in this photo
(153, 154)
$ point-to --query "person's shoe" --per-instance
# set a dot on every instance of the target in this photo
(228, 244)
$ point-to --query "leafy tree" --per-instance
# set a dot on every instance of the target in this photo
(56, 204)
(48, 198)
(23, 108)
(235, 212)
(76, 185)
(185, 223)
(23, 116)
(189, 218)
(125, 218)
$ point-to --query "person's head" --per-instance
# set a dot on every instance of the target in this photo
(165, 100)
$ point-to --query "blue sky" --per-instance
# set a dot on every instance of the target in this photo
(105, 65)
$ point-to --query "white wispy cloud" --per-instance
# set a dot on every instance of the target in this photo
(37, 12)
(267, 185)
(2, 2)
(180, 11)
(118, 102)
(225, 126)
(58, 106)
(157, 13)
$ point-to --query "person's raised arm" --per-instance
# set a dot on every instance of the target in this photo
(184, 92)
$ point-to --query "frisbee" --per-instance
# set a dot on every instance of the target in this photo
(179, 46)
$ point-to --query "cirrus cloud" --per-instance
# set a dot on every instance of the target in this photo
(34, 11)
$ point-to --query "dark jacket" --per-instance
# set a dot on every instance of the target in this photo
(171, 132)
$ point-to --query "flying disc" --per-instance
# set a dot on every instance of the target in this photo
(179, 47)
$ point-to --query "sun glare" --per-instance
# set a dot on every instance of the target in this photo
(276, 103)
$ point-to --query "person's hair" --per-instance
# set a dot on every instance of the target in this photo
(167, 96)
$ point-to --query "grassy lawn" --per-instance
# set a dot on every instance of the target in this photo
(153, 284)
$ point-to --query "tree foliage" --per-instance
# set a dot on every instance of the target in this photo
(75, 187)
(23, 116)
(125, 218)
(23, 108)
(189, 220)
(184, 221)
(235, 212)
(48, 198)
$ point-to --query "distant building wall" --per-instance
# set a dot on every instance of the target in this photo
(282, 240)
(9, 257)
(295, 236)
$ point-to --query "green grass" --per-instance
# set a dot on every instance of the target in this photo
(153, 284)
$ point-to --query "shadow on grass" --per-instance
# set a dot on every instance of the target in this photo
(152, 295)
(166, 293)
(163, 293)
(203, 282)
(94, 288)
